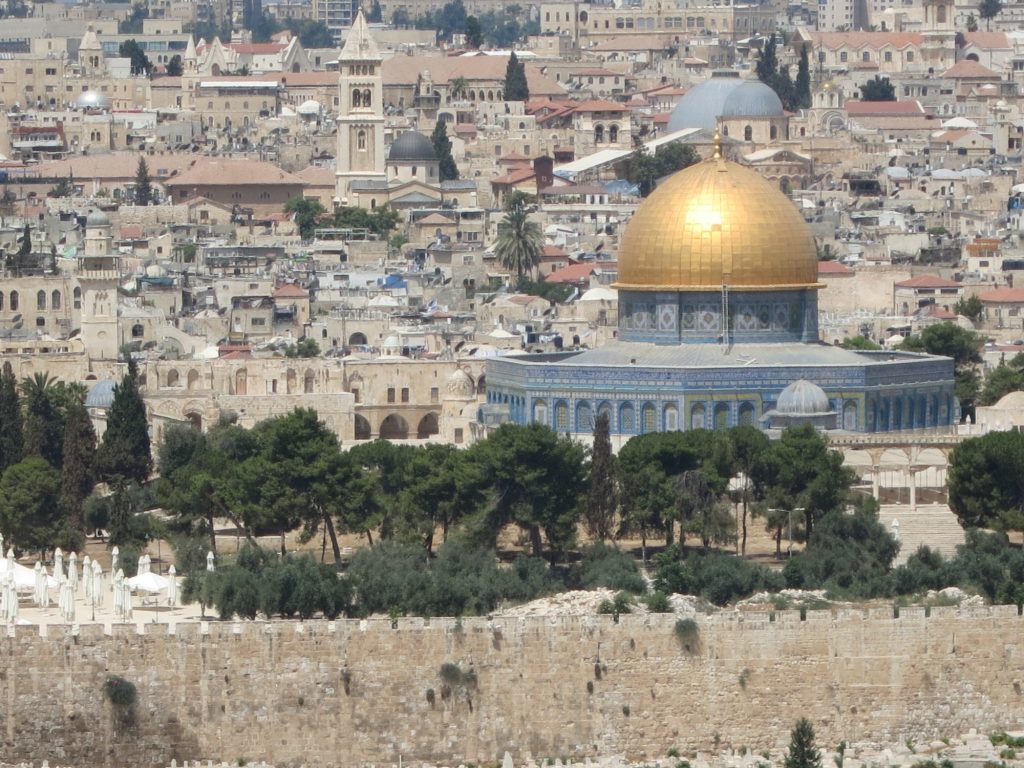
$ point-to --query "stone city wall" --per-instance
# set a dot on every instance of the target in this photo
(354, 693)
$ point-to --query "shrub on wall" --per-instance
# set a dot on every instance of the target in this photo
(119, 691)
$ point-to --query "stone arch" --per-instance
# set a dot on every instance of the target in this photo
(584, 417)
(394, 427)
(15, 301)
(627, 419)
(748, 133)
(77, 295)
(540, 411)
(670, 418)
(357, 339)
(308, 381)
(773, 132)
(362, 427)
(193, 379)
(562, 423)
(173, 377)
(598, 134)
(138, 331)
(784, 185)
(291, 381)
(613, 133)
(41, 299)
(427, 426)
(194, 419)
(850, 415)
(55, 299)
(481, 384)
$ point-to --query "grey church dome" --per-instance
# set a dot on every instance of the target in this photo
(803, 398)
(725, 94)
(752, 99)
(412, 146)
(702, 104)
(101, 395)
(97, 219)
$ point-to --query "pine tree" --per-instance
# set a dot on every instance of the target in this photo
(802, 752)
(803, 80)
(767, 62)
(443, 149)
(125, 451)
(602, 497)
(516, 88)
(143, 184)
(12, 446)
(77, 474)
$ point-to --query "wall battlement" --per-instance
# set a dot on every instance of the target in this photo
(355, 692)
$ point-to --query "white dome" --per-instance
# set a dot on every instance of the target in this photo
(460, 385)
(310, 107)
(803, 398)
(97, 218)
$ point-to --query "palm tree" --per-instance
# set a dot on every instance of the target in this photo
(520, 244)
(458, 87)
(44, 424)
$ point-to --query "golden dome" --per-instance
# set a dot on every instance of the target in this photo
(717, 223)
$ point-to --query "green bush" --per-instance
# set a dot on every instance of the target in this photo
(119, 692)
(658, 602)
(720, 579)
(621, 603)
(687, 632)
(606, 566)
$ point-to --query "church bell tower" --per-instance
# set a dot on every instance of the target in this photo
(360, 155)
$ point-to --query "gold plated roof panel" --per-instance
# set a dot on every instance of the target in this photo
(717, 223)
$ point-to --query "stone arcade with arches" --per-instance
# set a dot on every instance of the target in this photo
(718, 315)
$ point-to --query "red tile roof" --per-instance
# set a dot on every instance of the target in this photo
(1003, 296)
(834, 269)
(867, 108)
(290, 291)
(577, 273)
(929, 281)
(969, 68)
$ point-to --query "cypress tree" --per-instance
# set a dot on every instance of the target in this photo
(803, 80)
(12, 447)
(767, 62)
(516, 88)
(443, 149)
(802, 752)
(125, 451)
(77, 474)
(602, 498)
(143, 183)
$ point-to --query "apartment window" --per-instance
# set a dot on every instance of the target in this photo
(391, 394)
(405, 394)
(888, 56)
(51, 71)
(843, 57)
(259, 321)
(434, 394)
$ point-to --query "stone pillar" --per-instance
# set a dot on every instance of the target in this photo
(912, 471)
(876, 481)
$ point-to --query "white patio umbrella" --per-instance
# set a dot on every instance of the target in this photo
(87, 576)
(148, 582)
(172, 586)
(97, 582)
(58, 563)
(10, 559)
(209, 561)
(115, 555)
(44, 590)
(61, 594)
(73, 571)
(115, 585)
(12, 602)
(70, 610)
(127, 591)
(147, 561)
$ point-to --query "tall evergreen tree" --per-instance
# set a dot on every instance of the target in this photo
(143, 183)
(516, 88)
(602, 496)
(125, 452)
(77, 474)
(767, 62)
(443, 149)
(12, 446)
(803, 80)
(802, 752)
(25, 243)
(44, 419)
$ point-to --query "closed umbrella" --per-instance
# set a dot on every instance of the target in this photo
(87, 576)
(97, 582)
(209, 561)
(73, 571)
(127, 594)
(172, 587)
(118, 594)
(12, 601)
(141, 567)
(115, 555)
(147, 563)
(37, 594)
(70, 615)
(58, 563)
(44, 590)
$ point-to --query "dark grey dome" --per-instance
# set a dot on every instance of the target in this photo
(702, 104)
(412, 147)
(803, 398)
(752, 99)
(97, 219)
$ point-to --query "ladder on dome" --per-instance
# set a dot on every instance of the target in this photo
(725, 315)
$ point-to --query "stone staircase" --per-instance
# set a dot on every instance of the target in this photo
(931, 524)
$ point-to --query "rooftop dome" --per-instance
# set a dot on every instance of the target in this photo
(101, 395)
(412, 146)
(717, 223)
(752, 99)
(97, 218)
(803, 398)
(460, 385)
(92, 100)
(702, 104)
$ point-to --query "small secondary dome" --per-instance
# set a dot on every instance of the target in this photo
(803, 398)
(753, 99)
(460, 385)
(97, 218)
(310, 107)
(412, 146)
(92, 100)
(702, 104)
(101, 395)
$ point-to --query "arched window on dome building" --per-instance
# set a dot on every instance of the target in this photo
(721, 416)
(746, 415)
(613, 134)
(357, 98)
(627, 419)
(850, 416)
(671, 417)
(540, 412)
(748, 133)
(773, 132)
(561, 416)
(605, 409)
(697, 416)
(648, 418)
(584, 417)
